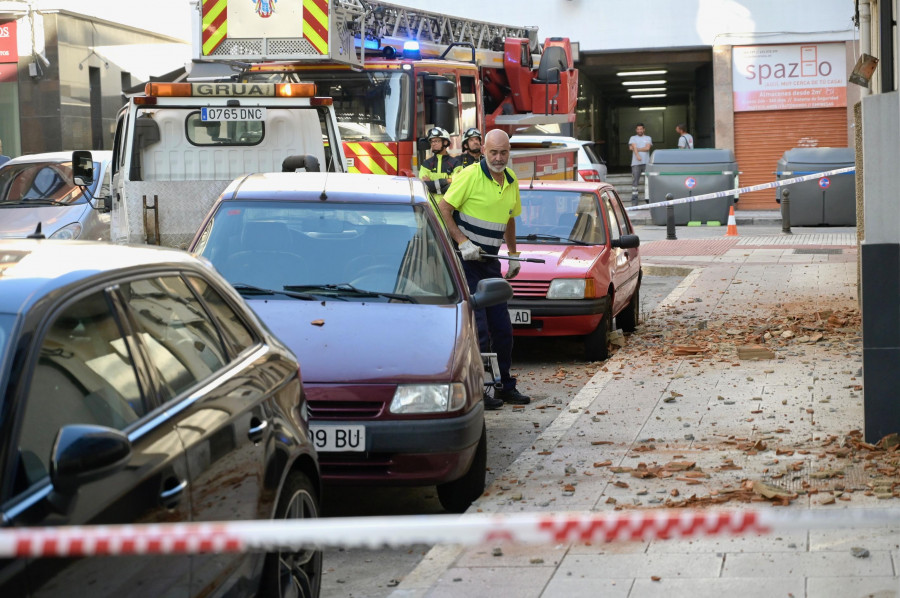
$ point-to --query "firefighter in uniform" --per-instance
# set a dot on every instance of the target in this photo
(438, 170)
(479, 210)
(471, 144)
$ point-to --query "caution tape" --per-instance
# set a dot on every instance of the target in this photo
(373, 532)
(718, 194)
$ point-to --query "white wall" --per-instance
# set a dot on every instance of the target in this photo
(649, 24)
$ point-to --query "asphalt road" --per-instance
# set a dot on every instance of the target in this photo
(551, 371)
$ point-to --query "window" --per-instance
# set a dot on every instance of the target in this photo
(84, 375)
(614, 228)
(624, 224)
(182, 342)
(237, 335)
(241, 132)
(469, 105)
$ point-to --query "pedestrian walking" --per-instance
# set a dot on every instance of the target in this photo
(438, 170)
(480, 210)
(686, 140)
(471, 145)
(640, 145)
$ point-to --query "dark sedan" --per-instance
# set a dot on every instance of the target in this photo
(137, 387)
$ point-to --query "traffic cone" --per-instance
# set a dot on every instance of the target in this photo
(732, 224)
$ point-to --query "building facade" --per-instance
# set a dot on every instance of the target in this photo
(62, 76)
(756, 76)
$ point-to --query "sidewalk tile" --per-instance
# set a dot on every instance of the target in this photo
(686, 566)
(521, 582)
(810, 564)
(785, 542)
(844, 587)
(717, 588)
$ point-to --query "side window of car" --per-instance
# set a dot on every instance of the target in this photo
(183, 343)
(624, 223)
(236, 333)
(614, 230)
(84, 374)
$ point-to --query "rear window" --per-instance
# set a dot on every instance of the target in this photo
(43, 180)
(592, 155)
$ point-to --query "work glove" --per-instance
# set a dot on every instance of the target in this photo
(470, 251)
(513, 269)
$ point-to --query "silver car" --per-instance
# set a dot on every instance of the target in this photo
(37, 189)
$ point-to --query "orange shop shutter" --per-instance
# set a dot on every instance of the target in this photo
(762, 137)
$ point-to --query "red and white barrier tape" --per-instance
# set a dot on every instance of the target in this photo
(729, 192)
(523, 528)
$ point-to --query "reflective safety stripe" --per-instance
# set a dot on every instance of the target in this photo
(481, 232)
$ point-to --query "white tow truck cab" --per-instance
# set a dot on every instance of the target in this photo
(178, 146)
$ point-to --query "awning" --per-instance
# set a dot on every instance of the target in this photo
(146, 60)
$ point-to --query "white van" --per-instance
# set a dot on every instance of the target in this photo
(38, 189)
(591, 167)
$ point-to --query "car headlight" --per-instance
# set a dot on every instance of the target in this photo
(428, 398)
(566, 288)
(68, 232)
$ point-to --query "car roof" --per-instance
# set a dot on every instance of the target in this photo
(30, 269)
(99, 155)
(556, 185)
(338, 187)
(551, 138)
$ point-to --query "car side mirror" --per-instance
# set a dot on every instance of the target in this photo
(627, 242)
(82, 168)
(82, 454)
(491, 291)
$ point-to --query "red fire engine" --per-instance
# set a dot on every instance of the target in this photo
(395, 72)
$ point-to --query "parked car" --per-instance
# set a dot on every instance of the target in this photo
(592, 269)
(591, 167)
(357, 275)
(137, 387)
(38, 189)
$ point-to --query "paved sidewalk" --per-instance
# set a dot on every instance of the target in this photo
(684, 416)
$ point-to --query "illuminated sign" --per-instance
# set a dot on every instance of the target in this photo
(789, 77)
(8, 50)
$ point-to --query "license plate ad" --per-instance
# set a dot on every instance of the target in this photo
(339, 438)
(520, 316)
(232, 114)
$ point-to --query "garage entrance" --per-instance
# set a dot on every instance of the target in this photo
(675, 87)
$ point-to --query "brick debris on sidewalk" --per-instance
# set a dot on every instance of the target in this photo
(743, 387)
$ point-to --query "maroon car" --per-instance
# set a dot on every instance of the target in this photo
(357, 276)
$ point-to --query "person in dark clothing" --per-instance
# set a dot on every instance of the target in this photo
(471, 145)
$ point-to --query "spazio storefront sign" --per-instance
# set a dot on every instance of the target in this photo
(786, 77)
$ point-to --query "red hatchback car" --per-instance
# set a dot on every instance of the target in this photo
(592, 268)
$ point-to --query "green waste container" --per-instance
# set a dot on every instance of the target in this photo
(687, 173)
(829, 201)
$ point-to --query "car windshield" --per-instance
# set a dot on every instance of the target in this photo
(555, 216)
(35, 181)
(342, 251)
(369, 105)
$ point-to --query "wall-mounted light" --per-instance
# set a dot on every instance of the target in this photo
(649, 95)
(640, 73)
(654, 82)
(648, 108)
(646, 89)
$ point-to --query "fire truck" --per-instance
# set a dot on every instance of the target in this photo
(394, 72)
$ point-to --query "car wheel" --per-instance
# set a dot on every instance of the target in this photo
(456, 496)
(296, 573)
(596, 344)
(629, 318)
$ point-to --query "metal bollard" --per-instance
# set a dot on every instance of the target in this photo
(786, 212)
(670, 220)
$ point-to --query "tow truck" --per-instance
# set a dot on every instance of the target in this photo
(394, 72)
(178, 145)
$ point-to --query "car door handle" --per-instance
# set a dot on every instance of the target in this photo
(171, 493)
(256, 430)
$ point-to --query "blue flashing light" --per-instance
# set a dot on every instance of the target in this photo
(411, 49)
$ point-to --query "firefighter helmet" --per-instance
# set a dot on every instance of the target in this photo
(472, 132)
(438, 132)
